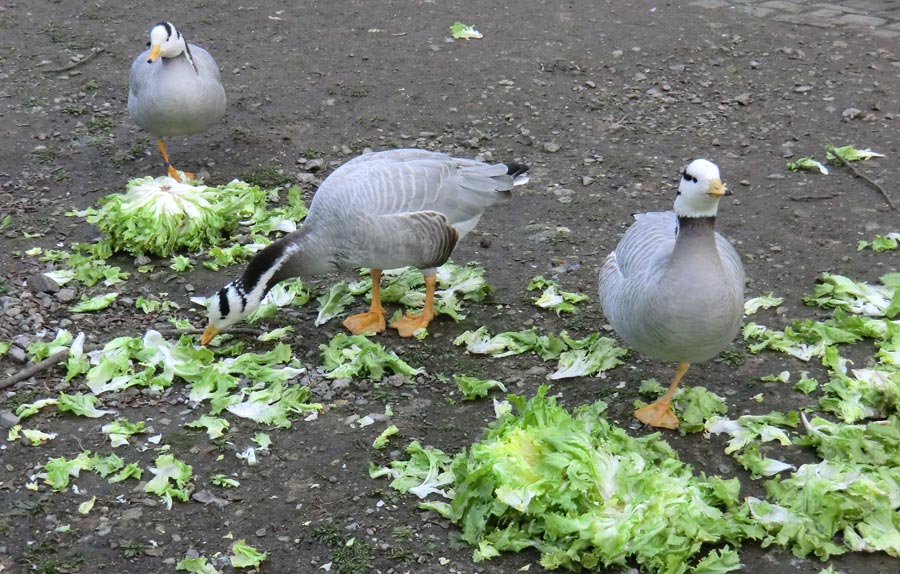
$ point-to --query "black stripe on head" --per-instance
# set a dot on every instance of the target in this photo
(224, 305)
(169, 28)
(261, 263)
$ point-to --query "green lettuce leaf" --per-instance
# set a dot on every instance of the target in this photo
(245, 556)
(474, 388)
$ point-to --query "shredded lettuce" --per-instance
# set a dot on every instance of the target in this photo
(753, 305)
(381, 440)
(215, 426)
(807, 163)
(97, 303)
(426, 471)
(81, 404)
(334, 302)
(358, 356)
(849, 153)
(552, 298)
(245, 556)
(461, 31)
(171, 478)
(887, 242)
(274, 404)
(474, 388)
(197, 565)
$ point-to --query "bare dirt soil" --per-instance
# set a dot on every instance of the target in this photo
(605, 100)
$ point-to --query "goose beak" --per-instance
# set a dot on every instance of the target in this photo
(155, 51)
(718, 189)
(208, 335)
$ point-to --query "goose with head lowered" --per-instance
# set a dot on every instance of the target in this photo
(174, 89)
(673, 288)
(381, 210)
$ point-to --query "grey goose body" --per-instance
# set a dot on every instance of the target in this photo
(673, 288)
(174, 88)
(381, 210)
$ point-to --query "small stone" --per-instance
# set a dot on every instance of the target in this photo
(803, 89)
(551, 147)
(743, 99)
(142, 260)
(852, 114)
(8, 419)
(66, 295)
(41, 283)
(17, 354)
(315, 164)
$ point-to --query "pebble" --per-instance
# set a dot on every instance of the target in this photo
(551, 147)
(41, 283)
(852, 114)
(66, 295)
(8, 419)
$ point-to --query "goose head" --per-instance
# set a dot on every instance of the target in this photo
(165, 42)
(700, 190)
(231, 305)
(239, 299)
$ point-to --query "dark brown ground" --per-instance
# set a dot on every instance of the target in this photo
(625, 94)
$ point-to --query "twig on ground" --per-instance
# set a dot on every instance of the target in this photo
(60, 356)
(34, 369)
(861, 175)
(73, 65)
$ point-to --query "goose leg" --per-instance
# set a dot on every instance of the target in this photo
(173, 173)
(373, 321)
(409, 324)
(660, 413)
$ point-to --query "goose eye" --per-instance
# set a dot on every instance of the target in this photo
(148, 44)
(688, 177)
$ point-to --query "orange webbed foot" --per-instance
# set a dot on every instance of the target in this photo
(370, 322)
(407, 325)
(658, 415)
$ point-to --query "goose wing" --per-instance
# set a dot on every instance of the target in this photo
(408, 181)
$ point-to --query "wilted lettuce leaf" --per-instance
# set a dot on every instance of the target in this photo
(358, 356)
(474, 388)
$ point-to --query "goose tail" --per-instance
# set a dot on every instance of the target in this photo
(519, 173)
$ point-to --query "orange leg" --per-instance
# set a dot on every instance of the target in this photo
(660, 413)
(409, 324)
(173, 173)
(373, 321)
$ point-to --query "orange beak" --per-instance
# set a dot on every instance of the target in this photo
(155, 51)
(718, 189)
(208, 335)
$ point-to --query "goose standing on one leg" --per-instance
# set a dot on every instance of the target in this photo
(382, 210)
(674, 288)
(174, 89)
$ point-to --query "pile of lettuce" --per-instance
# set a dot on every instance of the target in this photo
(582, 492)
(161, 216)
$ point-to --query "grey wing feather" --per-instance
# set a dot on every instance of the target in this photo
(422, 239)
(408, 181)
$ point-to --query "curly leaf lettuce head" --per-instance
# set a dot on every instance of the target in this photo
(160, 216)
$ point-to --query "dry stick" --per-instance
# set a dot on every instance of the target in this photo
(60, 356)
(34, 369)
(74, 65)
(859, 174)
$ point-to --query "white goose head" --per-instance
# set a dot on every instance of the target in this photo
(700, 190)
(240, 298)
(166, 42)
